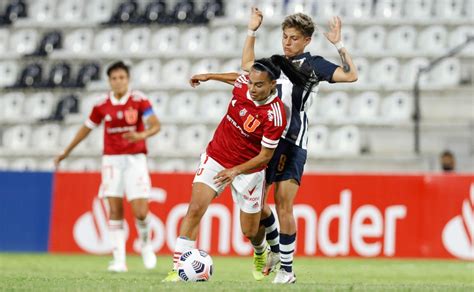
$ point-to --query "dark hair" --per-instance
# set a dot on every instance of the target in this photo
(275, 64)
(117, 66)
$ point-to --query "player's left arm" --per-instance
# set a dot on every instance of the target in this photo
(347, 72)
(153, 126)
(228, 78)
(226, 176)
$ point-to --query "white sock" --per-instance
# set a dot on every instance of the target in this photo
(183, 244)
(287, 249)
(117, 237)
(260, 248)
(143, 228)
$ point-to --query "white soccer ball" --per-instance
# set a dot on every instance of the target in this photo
(195, 266)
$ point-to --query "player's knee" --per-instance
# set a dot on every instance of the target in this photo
(284, 210)
(250, 232)
(195, 210)
(141, 215)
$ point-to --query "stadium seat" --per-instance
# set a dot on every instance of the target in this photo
(192, 140)
(184, 11)
(171, 165)
(146, 73)
(318, 137)
(50, 41)
(349, 37)
(358, 9)
(345, 141)
(433, 39)
(263, 45)
(166, 40)
(88, 102)
(39, 105)
(233, 65)
(224, 39)
(301, 6)
(238, 9)
(17, 137)
(12, 106)
(59, 76)
(24, 41)
(46, 137)
(67, 134)
(418, 9)
(402, 39)
(272, 8)
(125, 12)
(88, 72)
(391, 9)
(184, 105)
(334, 107)
(385, 71)
(209, 11)
(79, 41)
(195, 39)
(205, 66)
(371, 39)
(325, 9)
(155, 11)
(3, 164)
(42, 10)
(274, 37)
(108, 40)
(319, 43)
(449, 9)
(176, 72)
(8, 73)
(13, 11)
(83, 165)
(71, 10)
(137, 40)
(213, 106)
(365, 107)
(23, 164)
(4, 35)
(459, 35)
(164, 142)
(397, 107)
(95, 141)
(99, 10)
(160, 101)
(469, 9)
(363, 70)
(447, 72)
(410, 69)
(67, 104)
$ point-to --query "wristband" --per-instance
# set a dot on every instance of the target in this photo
(339, 45)
(251, 33)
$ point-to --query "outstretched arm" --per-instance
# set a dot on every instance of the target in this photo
(80, 135)
(228, 78)
(248, 53)
(347, 72)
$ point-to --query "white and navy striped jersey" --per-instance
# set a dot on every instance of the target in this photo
(297, 100)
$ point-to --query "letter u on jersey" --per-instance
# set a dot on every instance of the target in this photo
(251, 124)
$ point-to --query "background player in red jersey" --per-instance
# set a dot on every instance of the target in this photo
(237, 155)
(124, 166)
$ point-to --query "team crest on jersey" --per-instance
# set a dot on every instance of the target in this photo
(243, 112)
(119, 115)
(270, 115)
(108, 118)
(131, 116)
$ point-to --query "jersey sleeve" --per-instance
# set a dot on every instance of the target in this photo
(323, 68)
(146, 108)
(95, 118)
(274, 126)
(240, 86)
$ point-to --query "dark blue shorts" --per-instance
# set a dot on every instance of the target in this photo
(287, 163)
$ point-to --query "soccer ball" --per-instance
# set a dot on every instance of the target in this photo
(195, 266)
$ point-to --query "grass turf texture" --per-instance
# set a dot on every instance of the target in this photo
(88, 273)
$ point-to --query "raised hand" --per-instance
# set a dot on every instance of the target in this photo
(334, 33)
(256, 18)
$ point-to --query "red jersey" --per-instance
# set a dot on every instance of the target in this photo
(121, 116)
(247, 126)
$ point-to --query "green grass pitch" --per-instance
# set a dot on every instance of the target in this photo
(44, 272)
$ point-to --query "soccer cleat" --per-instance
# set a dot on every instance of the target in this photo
(117, 267)
(172, 277)
(283, 277)
(258, 265)
(272, 261)
(148, 256)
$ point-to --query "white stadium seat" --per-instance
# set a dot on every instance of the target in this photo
(83, 165)
(184, 105)
(272, 8)
(371, 39)
(238, 9)
(447, 72)
(24, 41)
(23, 164)
(224, 39)
(171, 165)
(460, 34)
(8, 73)
(325, 9)
(99, 10)
(345, 141)
(213, 106)
(137, 40)
(95, 141)
(3, 164)
(391, 9)
(433, 39)
(176, 72)
(39, 105)
(365, 107)
(46, 137)
(165, 40)
(146, 73)
(263, 45)
(88, 102)
(335, 106)
(205, 66)
(385, 71)
(195, 39)
(402, 39)
(192, 140)
(12, 106)
(66, 136)
(70, 10)
(79, 41)
(349, 37)
(233, 65)
(397, 107)
(363, 70)
(358, 9)
(160, 101)
(419, 9)
(410, 69)
(449, 9)
(108, 40)
(165, 141)
(4, 36)
(42, 10)
(17, 137)
(318, 137)
(303, 6)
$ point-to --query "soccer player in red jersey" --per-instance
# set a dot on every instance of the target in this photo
(242, 145)
(124, 166)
